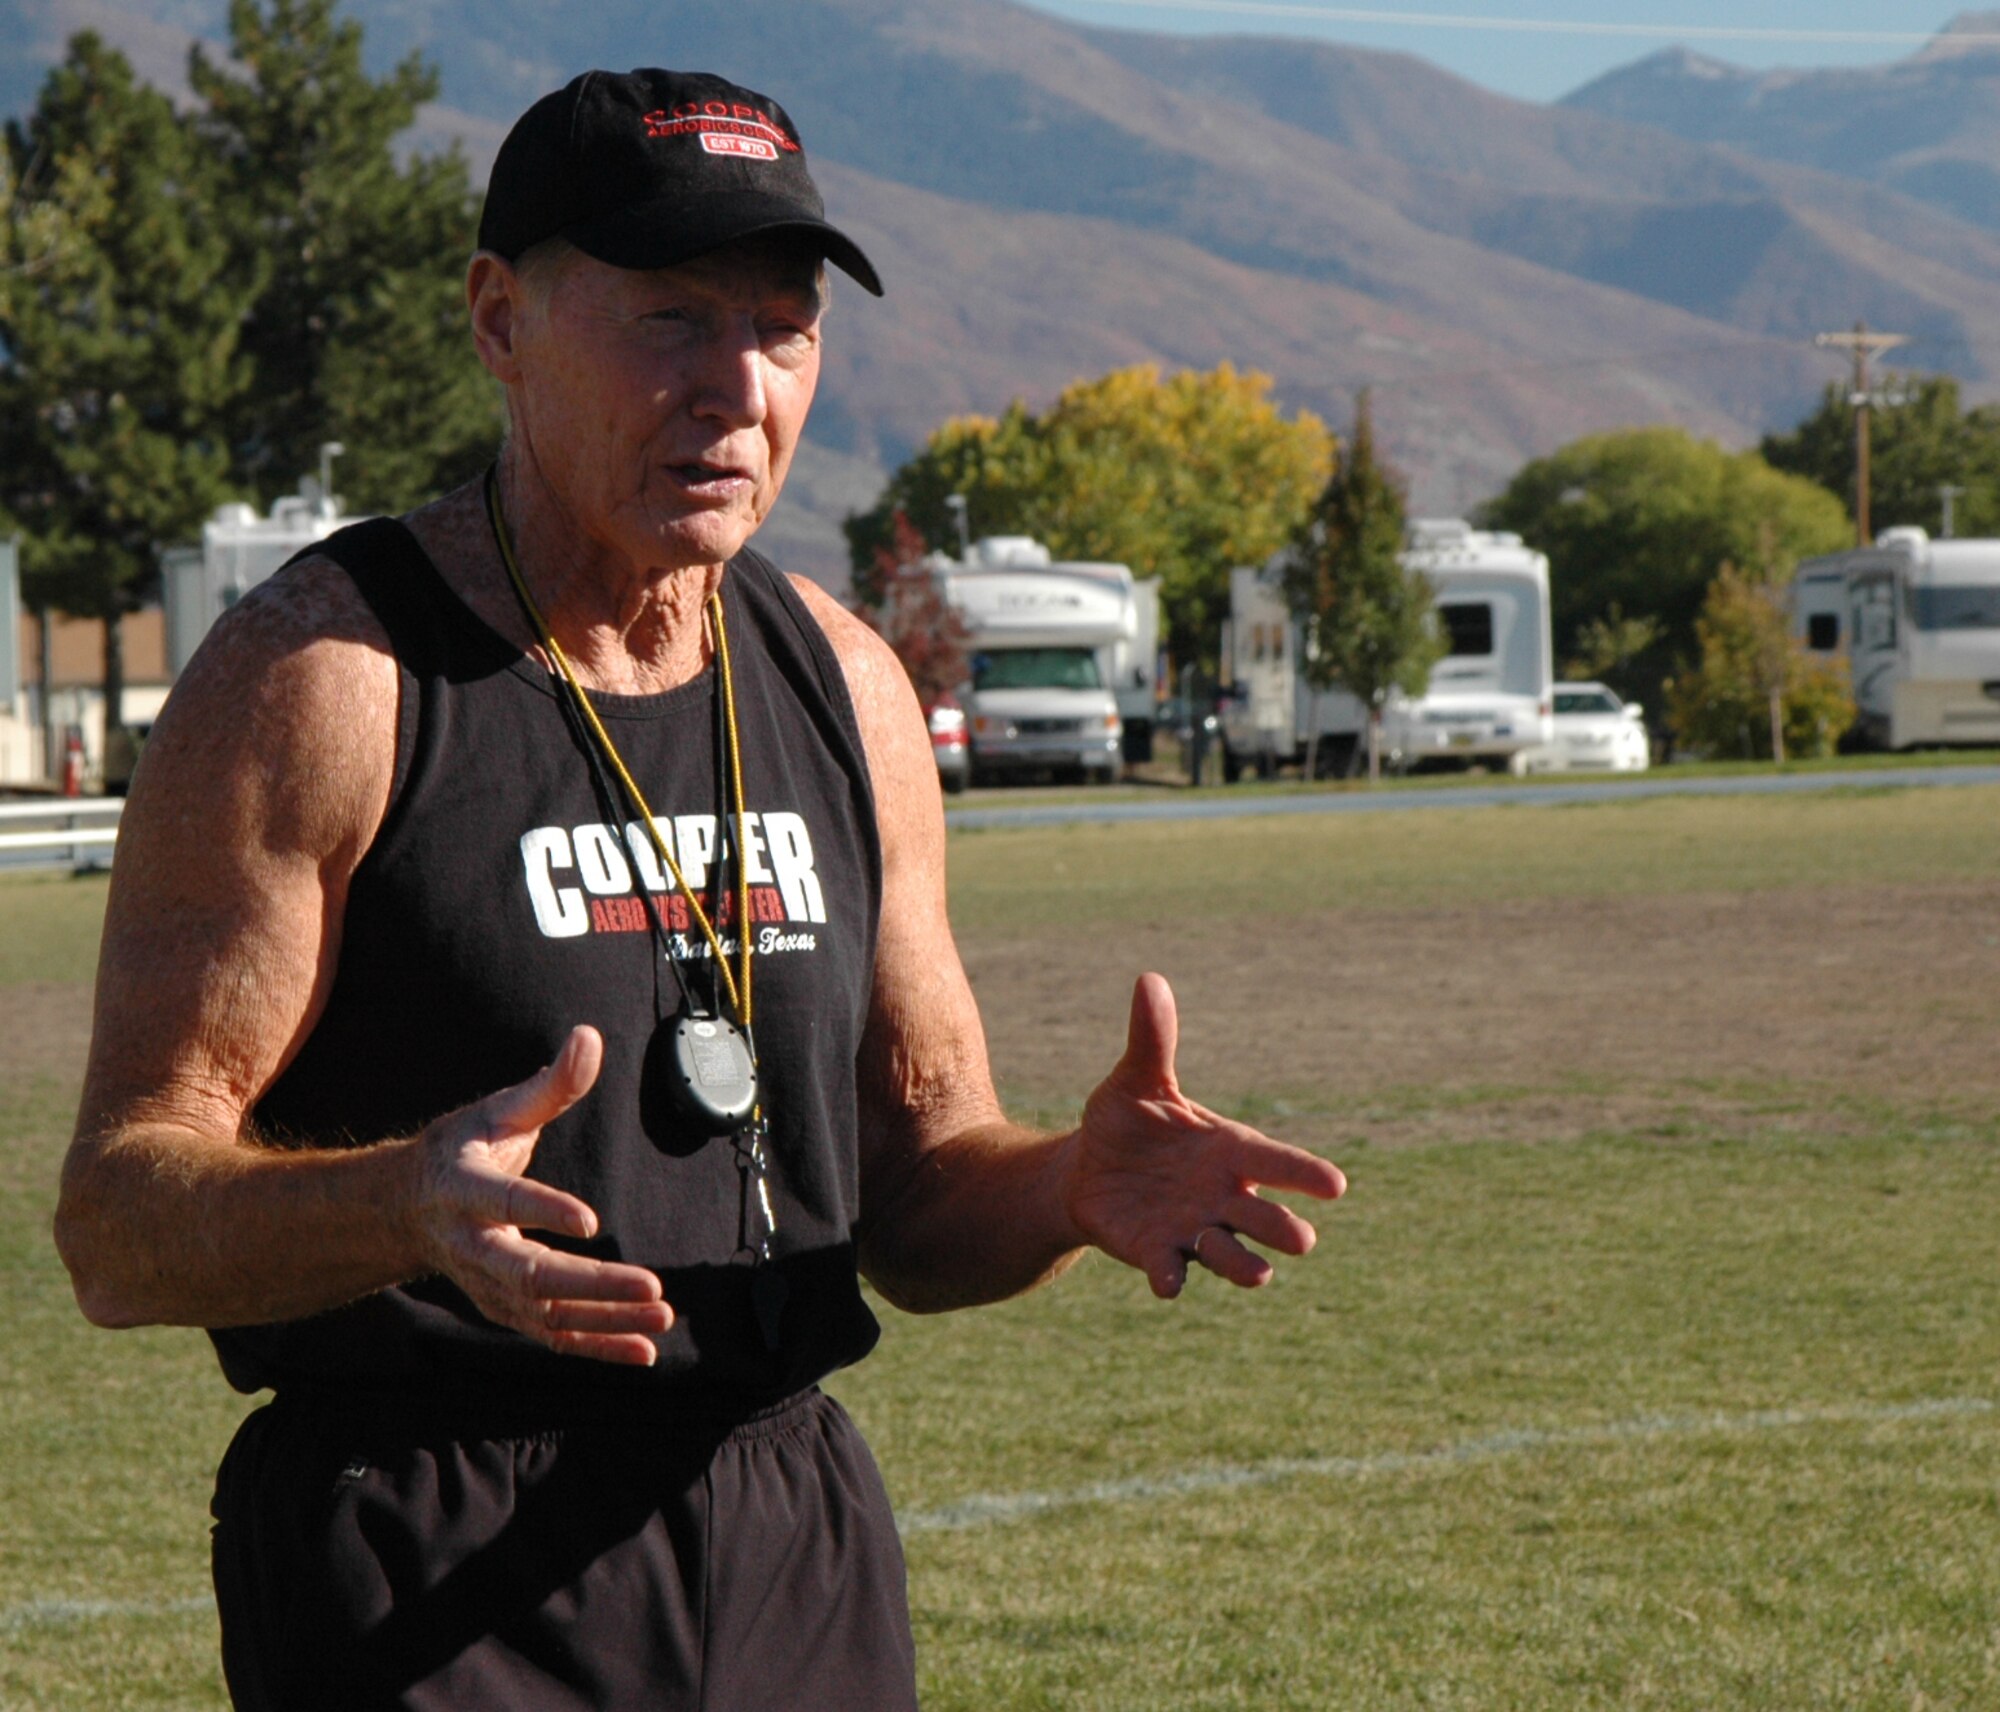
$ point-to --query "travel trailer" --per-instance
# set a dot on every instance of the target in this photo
(1491, 698)
(238, 550)
(1918, 622)
(1061, 657)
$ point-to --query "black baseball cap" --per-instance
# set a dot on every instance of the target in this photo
(649, 168)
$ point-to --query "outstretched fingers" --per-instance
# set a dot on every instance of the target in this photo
(1219, 1249)
(1243, 1216)
(493, 1195)
(1271, 1224)
(1255, 1158)
(569, 1302)
(477, 1200)
(476, 1159)
(538, 1273)
(522, 1110)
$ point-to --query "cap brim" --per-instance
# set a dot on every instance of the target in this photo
(665, 234)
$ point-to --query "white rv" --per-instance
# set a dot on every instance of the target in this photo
(1061, 657)
(1491, 698)
(1918, 622)
(238, 551)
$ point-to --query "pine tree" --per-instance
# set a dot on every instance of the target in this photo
(118, 342)
(1922, 443)
(358, 333)
(1368, 622)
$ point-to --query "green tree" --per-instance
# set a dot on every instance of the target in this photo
(1640, 519)
(357, 334)
(119, 315)
(1758, 688)
(1181, 477)
(1606, 646)
(1368, 622)
(994, 463)
(1916, 447)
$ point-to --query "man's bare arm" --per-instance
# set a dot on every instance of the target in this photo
(959, 1205)
(263, 785)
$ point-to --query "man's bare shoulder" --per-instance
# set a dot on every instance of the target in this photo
(875, 677)
(311, 599)
(908, 805)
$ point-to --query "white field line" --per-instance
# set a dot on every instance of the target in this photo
(987, 1509)
(59, 1613)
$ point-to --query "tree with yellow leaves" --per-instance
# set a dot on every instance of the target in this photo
(1180, 476)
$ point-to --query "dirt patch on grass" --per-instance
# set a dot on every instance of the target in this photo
(44, 1029)
(1522, 1020)
(1535, 1017)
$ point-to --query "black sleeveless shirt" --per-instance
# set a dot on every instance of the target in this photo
(509, 895)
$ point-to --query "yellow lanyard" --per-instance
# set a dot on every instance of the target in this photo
(737, 985)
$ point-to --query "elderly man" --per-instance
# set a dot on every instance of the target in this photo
(527, 1010)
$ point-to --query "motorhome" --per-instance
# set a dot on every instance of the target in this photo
(1918, 622)
(238, 550)
(1061, 657)
(1490, 699)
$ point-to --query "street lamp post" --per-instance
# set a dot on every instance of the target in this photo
(328, 451)
(1948, 497)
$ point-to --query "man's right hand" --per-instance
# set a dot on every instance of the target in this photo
(473, 1202)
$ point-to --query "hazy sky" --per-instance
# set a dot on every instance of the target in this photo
(1549, 47)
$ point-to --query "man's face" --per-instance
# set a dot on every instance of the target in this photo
(660, 409)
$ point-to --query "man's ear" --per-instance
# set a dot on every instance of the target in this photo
(493, 296)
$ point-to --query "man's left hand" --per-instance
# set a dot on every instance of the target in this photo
(1158, 1182)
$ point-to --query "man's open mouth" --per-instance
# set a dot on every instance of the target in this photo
(716, 478)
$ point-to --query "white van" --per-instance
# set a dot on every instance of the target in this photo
(1053, 648)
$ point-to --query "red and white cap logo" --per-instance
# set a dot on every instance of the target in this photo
(733, 128)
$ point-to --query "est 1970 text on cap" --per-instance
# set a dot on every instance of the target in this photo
(651, 168)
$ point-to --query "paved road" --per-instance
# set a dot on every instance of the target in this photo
(1514, 794)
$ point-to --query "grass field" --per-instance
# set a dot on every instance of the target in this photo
(1654, 1360)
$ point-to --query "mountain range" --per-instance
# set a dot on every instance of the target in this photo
(1048, 201)
(1928, 127)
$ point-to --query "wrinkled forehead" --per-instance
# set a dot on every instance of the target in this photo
(767, 266)
(766, 262)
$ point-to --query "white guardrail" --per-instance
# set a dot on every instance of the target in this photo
(86, 827)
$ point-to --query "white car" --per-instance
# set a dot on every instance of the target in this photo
(1594, 731)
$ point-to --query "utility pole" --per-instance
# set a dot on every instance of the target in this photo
(1864, 345)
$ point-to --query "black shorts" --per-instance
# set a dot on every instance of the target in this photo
(608, 1568)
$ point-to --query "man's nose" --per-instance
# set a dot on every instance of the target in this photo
(731, 383)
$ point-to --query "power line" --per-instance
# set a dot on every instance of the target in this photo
(1293, 9)
(1629, 358)
(1636, 359)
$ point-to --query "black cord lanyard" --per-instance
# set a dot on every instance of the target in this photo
(737, 985)
(714, 1061)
